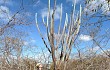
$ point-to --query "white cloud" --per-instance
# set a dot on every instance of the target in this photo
(4, 9)
(85, 37)
(26, 43)
(4, 13)
(105, 52)
(91, 51)
(43, 56)
(73, 1)
(44, 12)
(33, 41)
(94, 49)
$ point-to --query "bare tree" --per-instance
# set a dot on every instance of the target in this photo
(12, 39)
(63, 40)
(98, 11)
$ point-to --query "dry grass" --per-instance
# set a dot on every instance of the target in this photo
(94, 63)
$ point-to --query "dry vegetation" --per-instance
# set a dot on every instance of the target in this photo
(61, 43)
(94, 63)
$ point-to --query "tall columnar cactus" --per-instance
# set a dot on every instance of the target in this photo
(63, 40)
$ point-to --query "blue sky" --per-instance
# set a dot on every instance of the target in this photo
(40, 6)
